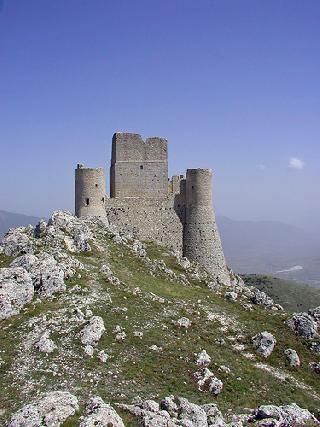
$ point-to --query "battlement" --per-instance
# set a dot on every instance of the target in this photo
(139, 168)
(130, 147)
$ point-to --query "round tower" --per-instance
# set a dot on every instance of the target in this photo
(90, 192)
(201, 240)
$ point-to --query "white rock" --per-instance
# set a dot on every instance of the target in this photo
(88, 349)
(205, 378)
(292, 357)
(101, 414)
(184, 322)
(121, 336)
(16, 290)
(264, 343)
(203, 358)
(102, 356)
(51, 410)
(47, 276)
(17, 241)
(93, 331)
(44, 344)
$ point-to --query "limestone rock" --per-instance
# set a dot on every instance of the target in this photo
(203, 358)
(93, 331)
(292, 357)
(264, 343)
(214, 415)
(207, 380)
(44, 344)
(288, 415)
(102, 356)
(261, 298)
(105, 269)
(81, 239)
(184, 322)
(190, 412)
(47, 276)
(101, 414)
(51, 410)
(231, 296)
(16, 290)
(17, 241)
(303, 325)
(168, 404)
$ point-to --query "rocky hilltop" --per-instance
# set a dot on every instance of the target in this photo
(100, 329)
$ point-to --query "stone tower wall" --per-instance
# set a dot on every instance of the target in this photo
(201, 240)
(90, 192)
(138, 168)
(156, 220)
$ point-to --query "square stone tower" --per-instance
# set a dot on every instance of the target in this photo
(139, 168)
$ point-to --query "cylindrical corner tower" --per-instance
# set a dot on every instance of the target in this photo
(201, 240)
(90, 192)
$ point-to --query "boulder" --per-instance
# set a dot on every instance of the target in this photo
(44, 344)
(214, 415)
(93, 331)
(100, 414)
(207, 380)
(191, 412)
(292, 357)
(16, 290)
(264, 343)
(203, 358)
(303, 325)
(51, 410)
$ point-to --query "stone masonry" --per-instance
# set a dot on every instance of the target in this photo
(175, 213)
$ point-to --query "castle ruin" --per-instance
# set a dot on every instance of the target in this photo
(176, 213)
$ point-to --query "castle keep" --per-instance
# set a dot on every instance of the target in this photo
(176, 213)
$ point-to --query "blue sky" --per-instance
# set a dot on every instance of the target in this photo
(233, 84)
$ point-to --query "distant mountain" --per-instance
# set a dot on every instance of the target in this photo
(271, 247)
(9, 220)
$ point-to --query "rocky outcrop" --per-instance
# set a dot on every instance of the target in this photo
(16, 290)
(283, 416)
(100, 414)
(47, 276)
(17, 241)
(306, 325)
(264, 343)
(51, 410)
(177, 411)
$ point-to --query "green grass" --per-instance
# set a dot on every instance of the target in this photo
(5, 260)
(291, 295)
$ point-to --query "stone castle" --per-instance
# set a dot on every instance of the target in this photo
(176, 213)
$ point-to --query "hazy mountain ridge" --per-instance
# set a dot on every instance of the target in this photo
(10, 220)
(271, 247)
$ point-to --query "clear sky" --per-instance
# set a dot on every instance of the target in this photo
(233, 84)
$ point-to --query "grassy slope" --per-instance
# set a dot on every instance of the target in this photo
(133, 369)
(291, 295)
